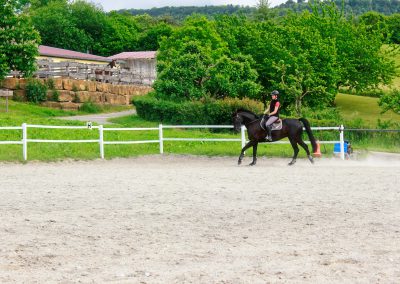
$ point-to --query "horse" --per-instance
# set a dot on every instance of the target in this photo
(291, 128)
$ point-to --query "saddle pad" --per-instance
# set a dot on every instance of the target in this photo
(277, 125)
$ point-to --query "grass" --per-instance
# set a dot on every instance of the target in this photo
(364, 112)
(364, 109)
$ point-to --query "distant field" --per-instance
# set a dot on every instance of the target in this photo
(366, 108)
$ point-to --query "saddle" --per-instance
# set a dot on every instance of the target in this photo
(277, 125)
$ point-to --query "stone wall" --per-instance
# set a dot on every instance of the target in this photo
(72, 93)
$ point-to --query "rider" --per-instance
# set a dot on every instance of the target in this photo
(272, 114)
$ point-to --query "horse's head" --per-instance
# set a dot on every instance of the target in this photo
(237, 120)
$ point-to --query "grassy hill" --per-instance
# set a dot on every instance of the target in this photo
(363, 108)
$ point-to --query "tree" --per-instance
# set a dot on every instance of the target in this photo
(18, 40)
(390, 101)
(393, 23)
(91, 20)
(57, 27)
(151, 38)
(310, 55)
(121, 33)
(195, 61)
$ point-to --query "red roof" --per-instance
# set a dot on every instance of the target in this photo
(65, 53)
(134, 55)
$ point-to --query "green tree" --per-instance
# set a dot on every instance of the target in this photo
(390, 101)
(310, 55)
(393, 23)
(195, 61)
(18, 40)
(91, 20)
(121, 33)
(151, 38)
(233, 77)
(57, 27)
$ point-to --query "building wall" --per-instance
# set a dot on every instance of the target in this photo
(144, 69)
(61, 59)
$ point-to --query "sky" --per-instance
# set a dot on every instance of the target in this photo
(109, 5)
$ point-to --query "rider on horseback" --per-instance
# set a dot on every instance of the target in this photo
(272, 114)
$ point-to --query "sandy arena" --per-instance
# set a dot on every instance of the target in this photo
(185, 219)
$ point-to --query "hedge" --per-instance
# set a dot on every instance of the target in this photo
(205, 112)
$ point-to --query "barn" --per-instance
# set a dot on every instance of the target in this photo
(142, 63)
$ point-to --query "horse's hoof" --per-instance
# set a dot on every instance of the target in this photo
(252, 164)
(311, 159)
(292, 163)
(239, 162)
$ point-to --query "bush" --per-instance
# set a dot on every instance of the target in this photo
(55, 96)
(50, 84)
(90, 107)
(207, 111)
(36, 91)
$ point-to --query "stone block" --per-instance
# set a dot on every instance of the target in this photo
(51, 104)
(81, 85)
(20, 95)
(10, 83)
(58, 83)
(70, 106)
(96, 97)
(91, 86)
(66, 96)
(67, 84)
(83, 96)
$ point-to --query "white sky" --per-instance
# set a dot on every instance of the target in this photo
(109, 5)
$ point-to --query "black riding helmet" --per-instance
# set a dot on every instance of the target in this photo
(274, 93)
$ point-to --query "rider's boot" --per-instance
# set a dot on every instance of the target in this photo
(269, 135)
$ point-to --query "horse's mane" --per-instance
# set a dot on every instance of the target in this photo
(248, 111)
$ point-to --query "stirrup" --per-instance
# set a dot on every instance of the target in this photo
(268, 138)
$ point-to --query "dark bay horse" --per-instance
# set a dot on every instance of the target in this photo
(291, 128)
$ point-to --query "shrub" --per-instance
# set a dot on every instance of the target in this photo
(50, 84)
(36, 91)
(55, 96)
(90, 107)
(206, 111)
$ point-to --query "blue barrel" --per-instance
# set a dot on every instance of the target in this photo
(336, 148)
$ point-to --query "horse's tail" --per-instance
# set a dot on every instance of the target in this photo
(310, 134)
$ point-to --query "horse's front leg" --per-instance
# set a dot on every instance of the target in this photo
(254, 155)
(248, 145)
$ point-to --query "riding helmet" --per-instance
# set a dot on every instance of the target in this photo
(274, 92)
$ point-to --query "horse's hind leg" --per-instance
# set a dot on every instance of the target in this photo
(254, 155)
(248, 145)
(305, 147)
(295, 150)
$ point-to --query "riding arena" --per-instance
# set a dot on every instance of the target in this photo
(196, 219)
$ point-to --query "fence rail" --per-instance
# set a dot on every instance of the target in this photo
(95, 72)
(161, 138)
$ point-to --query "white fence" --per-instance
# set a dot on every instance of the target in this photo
(25, 140)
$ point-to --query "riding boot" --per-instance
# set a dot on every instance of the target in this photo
(269, 135)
